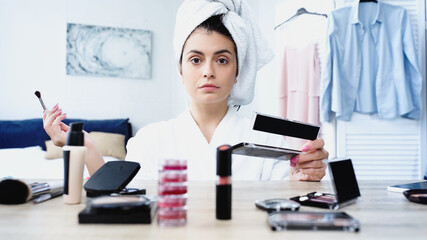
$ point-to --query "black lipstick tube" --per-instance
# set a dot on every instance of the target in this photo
(223, 185)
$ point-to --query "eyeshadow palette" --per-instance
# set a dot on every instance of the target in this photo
(344, 183)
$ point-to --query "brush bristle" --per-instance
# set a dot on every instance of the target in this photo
(38, 94)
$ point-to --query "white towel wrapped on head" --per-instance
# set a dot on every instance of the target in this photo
(252, 49)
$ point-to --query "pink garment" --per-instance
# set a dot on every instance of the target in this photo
(300, 86)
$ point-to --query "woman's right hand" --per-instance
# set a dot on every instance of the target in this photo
(54, 127)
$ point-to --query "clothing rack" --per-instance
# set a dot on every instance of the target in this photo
(300, 12)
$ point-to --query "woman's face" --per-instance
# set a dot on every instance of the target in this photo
(209, 66)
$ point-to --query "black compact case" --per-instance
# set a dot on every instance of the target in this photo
(110, 203)
(263, 151)
(119, 209)
(112, 177)
(285, 127)
(416, 195)
(345, 187)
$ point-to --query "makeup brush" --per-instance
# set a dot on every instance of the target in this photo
(39, 96)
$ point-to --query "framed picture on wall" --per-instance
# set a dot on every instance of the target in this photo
(108, 51)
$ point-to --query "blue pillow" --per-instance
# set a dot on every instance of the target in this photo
(121, 126)
(22, 133)
(30, 132)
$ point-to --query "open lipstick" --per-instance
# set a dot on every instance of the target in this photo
(39, 96)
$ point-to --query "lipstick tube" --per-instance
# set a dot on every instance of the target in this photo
(223, 185)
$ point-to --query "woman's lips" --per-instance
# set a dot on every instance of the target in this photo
(209, 87)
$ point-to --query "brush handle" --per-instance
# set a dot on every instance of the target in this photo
(42, 103)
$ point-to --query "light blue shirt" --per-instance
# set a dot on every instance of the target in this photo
(370, 63)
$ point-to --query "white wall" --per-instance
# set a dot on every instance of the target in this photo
(33, 57)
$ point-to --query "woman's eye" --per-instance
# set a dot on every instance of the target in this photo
(222, 61)
(195, 60)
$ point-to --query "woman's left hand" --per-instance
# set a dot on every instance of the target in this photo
(308, 166)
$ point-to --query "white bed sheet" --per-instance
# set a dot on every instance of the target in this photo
(30, 163)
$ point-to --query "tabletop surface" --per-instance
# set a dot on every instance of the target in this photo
(382, 214)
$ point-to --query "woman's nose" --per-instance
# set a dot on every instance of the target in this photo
(208, 72)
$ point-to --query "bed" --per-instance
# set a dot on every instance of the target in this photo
(27, 152)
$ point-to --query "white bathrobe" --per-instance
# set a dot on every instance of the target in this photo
(181, 138)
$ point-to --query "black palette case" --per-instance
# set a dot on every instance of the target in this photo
(263, 151)
(112, 177)
(345, 187)
(119, 209)
(111, 203)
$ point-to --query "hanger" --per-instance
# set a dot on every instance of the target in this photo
(300, 12)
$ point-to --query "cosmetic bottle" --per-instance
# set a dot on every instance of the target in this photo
(223, 185)
(74, 159)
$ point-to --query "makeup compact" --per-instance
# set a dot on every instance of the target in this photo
(285, 127)
(277, 205)
(112, 178)
(339, 221)
(416, 195)
(118, 209)
(345, 187)
(263, 151)
(279, 126)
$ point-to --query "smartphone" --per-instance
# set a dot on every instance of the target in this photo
(285, 127)
(287, 220)
(263, 151)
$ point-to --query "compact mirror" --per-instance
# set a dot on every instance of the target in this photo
(416, 195)
(277, 204)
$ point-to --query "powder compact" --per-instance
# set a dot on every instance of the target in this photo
(416, 195)
(119, 209)
(277, 204)
(345, 186)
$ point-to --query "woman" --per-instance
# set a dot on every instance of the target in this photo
(218, 61)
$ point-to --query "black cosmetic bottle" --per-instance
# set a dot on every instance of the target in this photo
(74, 160)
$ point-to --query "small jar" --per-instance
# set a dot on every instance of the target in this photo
(172, 217)
(172, 201)
(174, 164)
(172, 176)
(166, 188)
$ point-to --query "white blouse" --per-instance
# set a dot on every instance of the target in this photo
(181, 138)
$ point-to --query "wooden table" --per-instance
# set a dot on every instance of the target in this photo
(382, 214)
